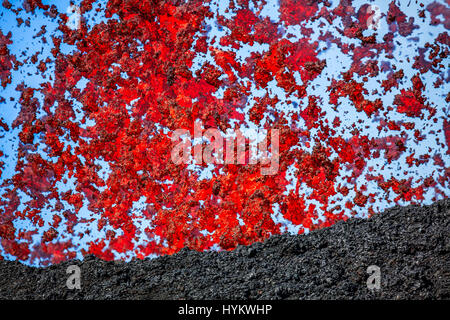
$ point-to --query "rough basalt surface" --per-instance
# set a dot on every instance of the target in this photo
(411, 245)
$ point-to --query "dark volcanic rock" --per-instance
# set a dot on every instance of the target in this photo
(411, 245)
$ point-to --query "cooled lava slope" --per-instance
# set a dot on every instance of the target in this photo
(410, 245)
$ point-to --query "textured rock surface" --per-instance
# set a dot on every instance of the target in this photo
(410, 244)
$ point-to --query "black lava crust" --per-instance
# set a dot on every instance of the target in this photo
(410, 245)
